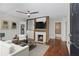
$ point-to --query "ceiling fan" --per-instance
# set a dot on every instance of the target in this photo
(28, 13)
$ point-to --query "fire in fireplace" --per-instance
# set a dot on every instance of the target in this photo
(40, 37)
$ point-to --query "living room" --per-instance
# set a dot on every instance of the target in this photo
(18, 26)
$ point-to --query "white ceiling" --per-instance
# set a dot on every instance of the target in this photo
(54, 10)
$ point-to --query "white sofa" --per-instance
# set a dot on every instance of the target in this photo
(4, 48)
(10, 49)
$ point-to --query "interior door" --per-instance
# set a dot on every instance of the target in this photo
(58, 27)
(74, 29)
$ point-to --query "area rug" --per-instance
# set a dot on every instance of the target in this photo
(39, 50)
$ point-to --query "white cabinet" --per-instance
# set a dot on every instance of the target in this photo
(4, 48)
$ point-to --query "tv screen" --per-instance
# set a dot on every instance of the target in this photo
(40, 25)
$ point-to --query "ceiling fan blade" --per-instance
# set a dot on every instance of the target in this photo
(22, 12)
(34, 12)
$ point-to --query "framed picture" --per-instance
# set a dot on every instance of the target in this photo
(22, 28)
(5, 25)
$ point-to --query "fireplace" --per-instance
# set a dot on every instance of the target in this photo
(40, 37)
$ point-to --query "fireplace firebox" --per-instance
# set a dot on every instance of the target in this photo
(40, 37)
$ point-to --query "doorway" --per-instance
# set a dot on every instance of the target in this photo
(57, 33)
(58, 30)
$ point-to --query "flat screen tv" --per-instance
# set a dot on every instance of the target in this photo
(40, 25)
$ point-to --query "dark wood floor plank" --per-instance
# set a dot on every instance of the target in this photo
(56, 48)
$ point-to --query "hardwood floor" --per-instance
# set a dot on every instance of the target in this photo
(57, 48)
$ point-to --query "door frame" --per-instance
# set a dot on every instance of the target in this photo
(60, 29)
(63, 24)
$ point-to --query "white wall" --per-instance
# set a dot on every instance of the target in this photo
(10, 33)
(63, 28)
